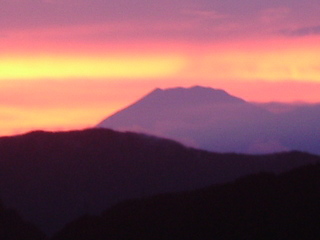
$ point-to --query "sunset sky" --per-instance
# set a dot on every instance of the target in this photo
(67, 64)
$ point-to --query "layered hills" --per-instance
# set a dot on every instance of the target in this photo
(53, 178)
(262, 206)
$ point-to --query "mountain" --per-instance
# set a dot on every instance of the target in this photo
(13, 227)
(53, 178)
(262, 206)
(213, 120)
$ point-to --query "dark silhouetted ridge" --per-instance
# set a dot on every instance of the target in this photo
(262, 206)
(13, 227)
(53, 178)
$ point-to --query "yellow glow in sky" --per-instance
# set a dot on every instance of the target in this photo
(58, 90)
(40, 67)
(15, 120)
(262, 64)
(241, 64)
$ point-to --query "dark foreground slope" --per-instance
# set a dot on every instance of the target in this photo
(13, 227)
(53, 178)
(263, 206)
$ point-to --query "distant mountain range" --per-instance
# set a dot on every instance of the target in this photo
(213, 120)
(263, 206)
(53, 178)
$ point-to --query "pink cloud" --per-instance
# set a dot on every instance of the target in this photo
(141, 15)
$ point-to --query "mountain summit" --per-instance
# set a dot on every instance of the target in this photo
(164, 104)
(195, 95)
(214, 120)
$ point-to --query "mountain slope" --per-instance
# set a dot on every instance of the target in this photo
(213, 120)
(168, 105)
(13, 227)
(263, 206)
(52, 178)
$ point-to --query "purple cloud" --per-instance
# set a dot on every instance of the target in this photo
(300, 32)
(194, 19)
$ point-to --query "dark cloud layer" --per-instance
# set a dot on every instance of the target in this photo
(22, 13)
(300, 32)
(166, 19)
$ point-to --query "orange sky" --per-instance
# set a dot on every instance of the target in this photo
(56, 74)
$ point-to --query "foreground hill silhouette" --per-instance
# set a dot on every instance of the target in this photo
(13, 227)
(53, 178)
(214, 120)
(263, 206)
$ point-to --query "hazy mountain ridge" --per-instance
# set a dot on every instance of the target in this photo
(94, 169)
(280, 107)
(263, 206)
(216, 121)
